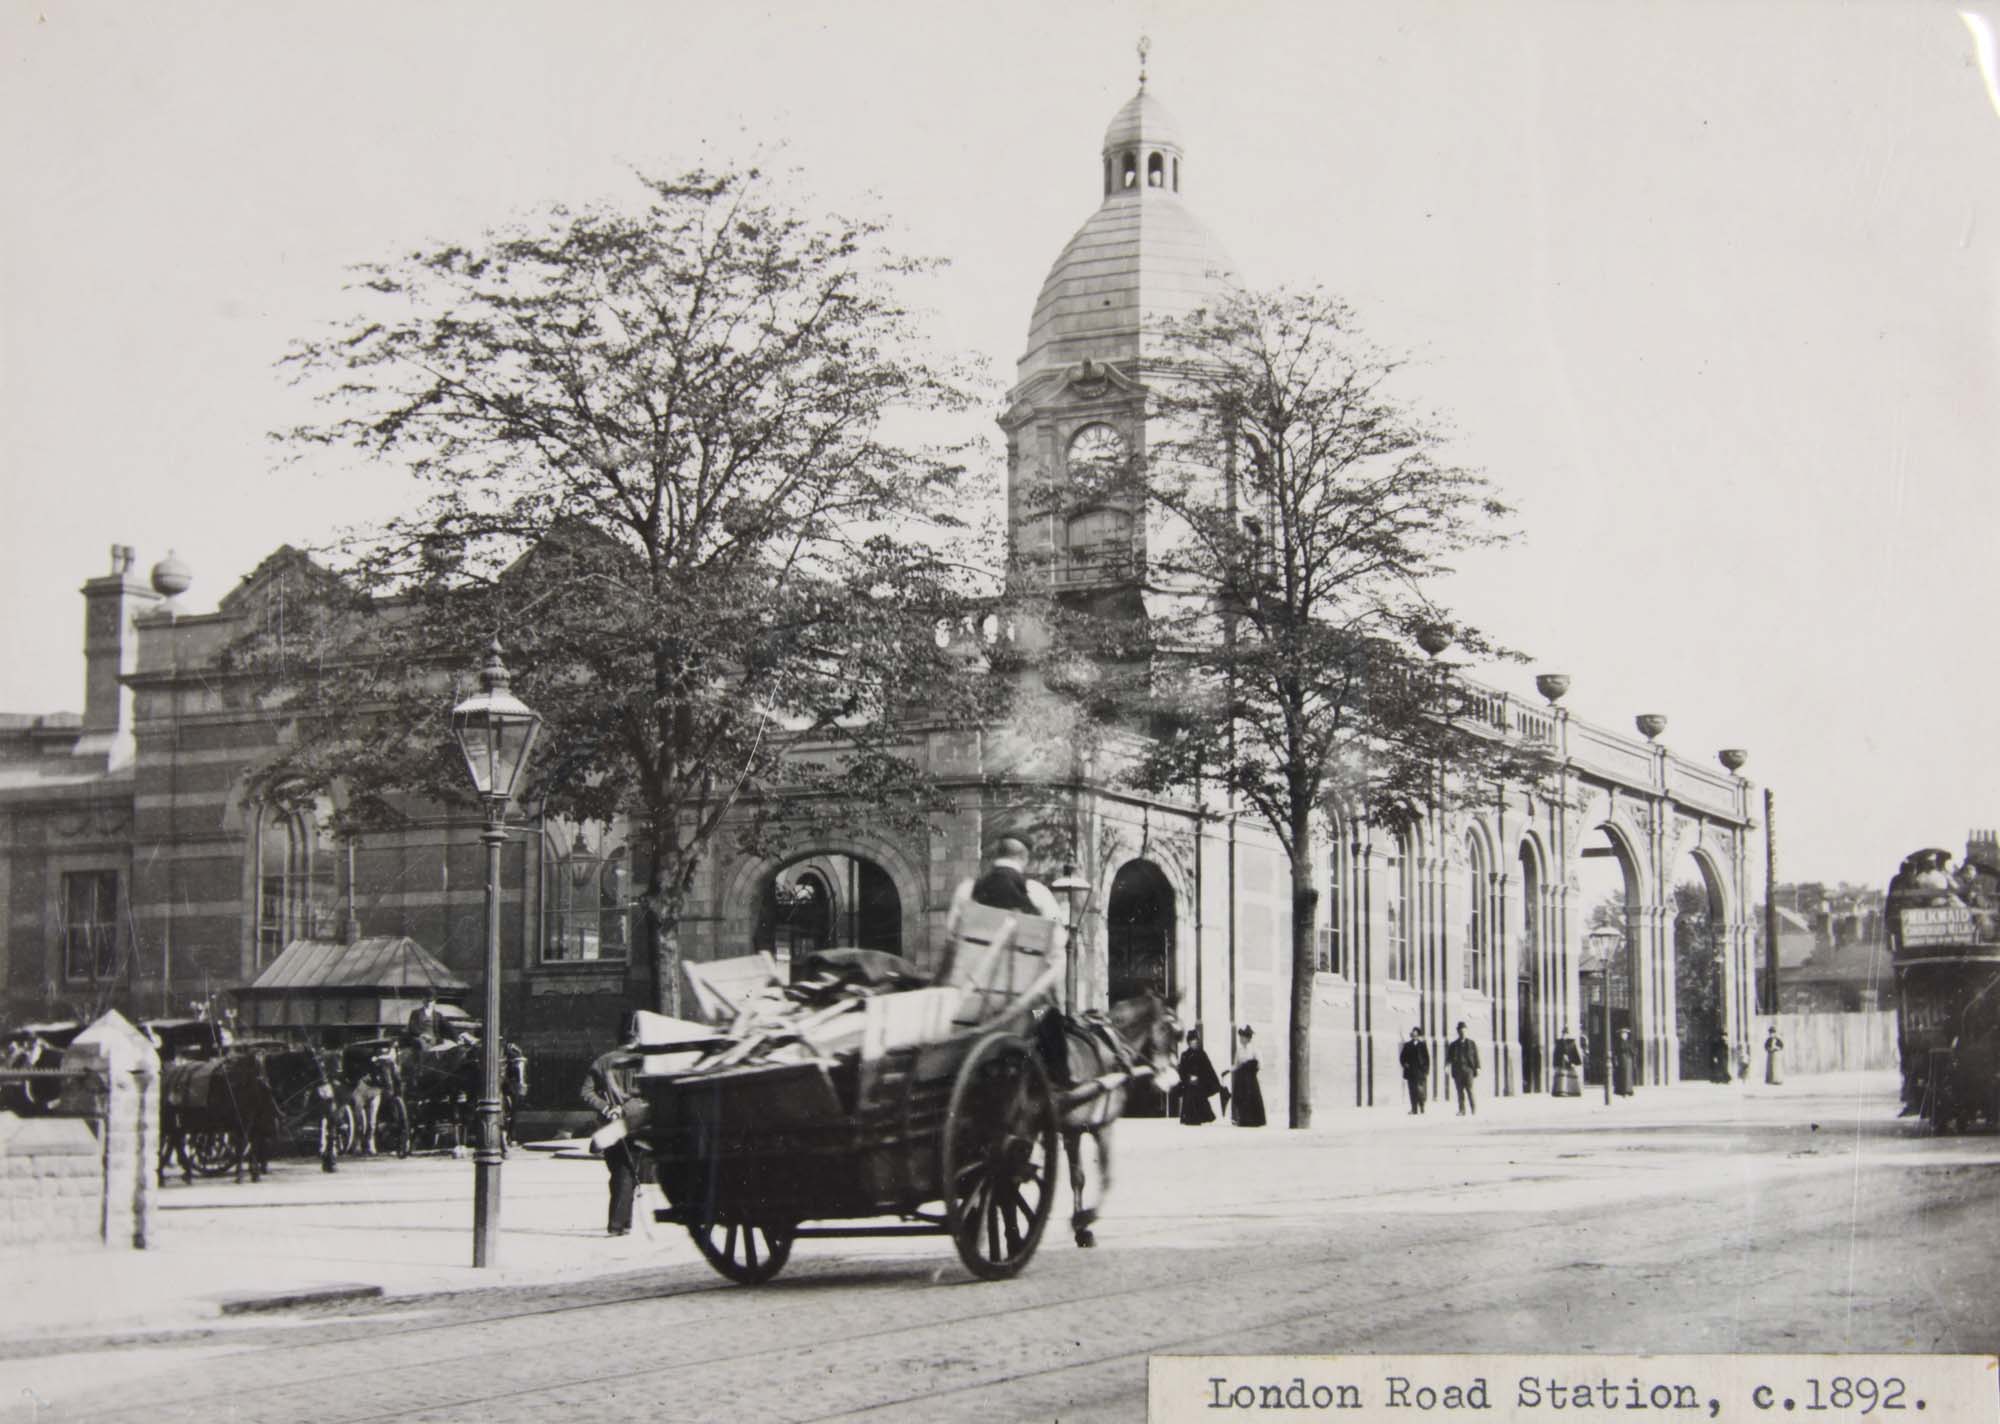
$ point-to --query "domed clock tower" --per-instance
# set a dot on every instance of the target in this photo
(1079, 399)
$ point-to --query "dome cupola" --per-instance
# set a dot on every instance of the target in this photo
(1141, 258)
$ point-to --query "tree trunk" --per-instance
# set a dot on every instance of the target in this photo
(666, 958)
(1304, 900)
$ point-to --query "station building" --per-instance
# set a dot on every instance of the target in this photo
(139, 867)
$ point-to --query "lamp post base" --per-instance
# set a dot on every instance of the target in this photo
(486, 1210)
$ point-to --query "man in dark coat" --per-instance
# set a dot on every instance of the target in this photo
(1461, 1056)
(1006, 885)
(1416, 1061)
(1624, 1063)
(426, 1023)
(1199, 1083)
(604, 1093)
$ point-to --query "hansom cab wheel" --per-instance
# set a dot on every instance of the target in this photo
(209, 1154)
(748, 1255)
(999, 1157)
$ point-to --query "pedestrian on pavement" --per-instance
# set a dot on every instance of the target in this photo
(1774, 1058)
(1246, 1102)
(1624, 1063)
(1416, 1061)
(605, 1088)
(1461, 1056)
(1742, 1061)
(1569, 1059)
(1198, 1083)
(1718, 1058)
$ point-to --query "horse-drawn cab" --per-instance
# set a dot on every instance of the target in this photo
(408, 1092)
(34, 1048)
(306, 1091)
(187, 1040)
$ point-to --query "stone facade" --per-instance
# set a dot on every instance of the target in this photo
(138, 866)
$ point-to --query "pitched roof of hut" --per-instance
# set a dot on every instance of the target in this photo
(382, 962)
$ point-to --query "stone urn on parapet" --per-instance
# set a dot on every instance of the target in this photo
(1650, 725)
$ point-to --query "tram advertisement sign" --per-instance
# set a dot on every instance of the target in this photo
(1937, 924)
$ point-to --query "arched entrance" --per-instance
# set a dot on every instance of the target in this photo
(1139, 954)
(1611, 896)
(1699, 919)
(1139, 933)
(827, 901)
(1529, 990)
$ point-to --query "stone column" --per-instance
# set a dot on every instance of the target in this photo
(126, 1102)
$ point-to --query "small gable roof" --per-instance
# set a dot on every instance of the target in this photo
(382, 962)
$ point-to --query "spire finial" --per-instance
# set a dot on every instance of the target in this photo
(1145, 48)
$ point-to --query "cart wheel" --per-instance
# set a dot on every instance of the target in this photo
(748, 1255)
(209, 1154)
(392, 1126)
(348, 1130)
(999, 1157)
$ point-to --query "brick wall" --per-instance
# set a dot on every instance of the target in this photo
(51, 1182)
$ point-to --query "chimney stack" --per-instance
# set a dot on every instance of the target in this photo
(110, 604)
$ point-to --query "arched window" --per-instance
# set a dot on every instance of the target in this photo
(586, 905)
(1099, 536)
(1156, 171)
(1332, 956)
(1478, 925)
(295, 875)
(1402, 908)
(613, 907)
(1129, 171)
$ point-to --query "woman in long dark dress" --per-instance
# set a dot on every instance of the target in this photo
(1198, 1083)
(1246, 1098)
(1569, 1058)
(1624, 1063)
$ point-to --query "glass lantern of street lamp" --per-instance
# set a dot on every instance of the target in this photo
(496, 732)
(1433, 638)
(1075, 891)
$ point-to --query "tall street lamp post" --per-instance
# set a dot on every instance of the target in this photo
(1604, 944)
(1075, 891)
(495, 731)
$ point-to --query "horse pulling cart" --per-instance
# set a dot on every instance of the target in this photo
(942, 1117)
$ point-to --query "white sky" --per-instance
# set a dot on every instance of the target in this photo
(1709, 289)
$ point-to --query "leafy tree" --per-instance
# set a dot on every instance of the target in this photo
(666, 455)
(1295, 513)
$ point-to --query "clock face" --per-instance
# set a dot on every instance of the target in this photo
(1096, 449)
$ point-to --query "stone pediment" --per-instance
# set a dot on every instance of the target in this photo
(1067, 387)
(285, 571)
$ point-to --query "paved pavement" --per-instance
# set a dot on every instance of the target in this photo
(1697, 1218)
(404, 1228)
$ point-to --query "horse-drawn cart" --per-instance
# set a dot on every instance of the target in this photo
(941, 1117)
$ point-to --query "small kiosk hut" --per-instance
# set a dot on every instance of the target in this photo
(320, 990)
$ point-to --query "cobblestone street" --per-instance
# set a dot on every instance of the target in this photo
(1690, 1219)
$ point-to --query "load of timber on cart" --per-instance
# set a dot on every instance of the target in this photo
(861, 1089)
